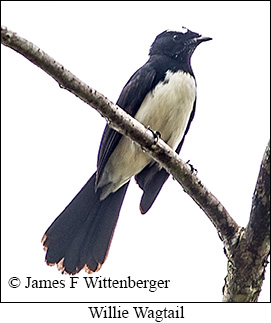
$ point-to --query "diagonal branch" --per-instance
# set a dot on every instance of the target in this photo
(128, 126)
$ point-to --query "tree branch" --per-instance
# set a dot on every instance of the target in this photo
(128, 126)
(247, 259)
(230, 233)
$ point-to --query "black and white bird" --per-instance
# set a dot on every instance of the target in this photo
(161, 95)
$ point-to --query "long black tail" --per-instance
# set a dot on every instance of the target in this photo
(80, 236)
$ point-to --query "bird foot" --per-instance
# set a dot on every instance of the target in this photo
(156, 134)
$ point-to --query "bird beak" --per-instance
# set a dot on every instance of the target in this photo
(194, 42)
(202, 39)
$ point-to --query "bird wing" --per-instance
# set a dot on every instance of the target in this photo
(131, 97)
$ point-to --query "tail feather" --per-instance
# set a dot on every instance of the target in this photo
(80, 236)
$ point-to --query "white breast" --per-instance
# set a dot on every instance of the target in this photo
(166, 109)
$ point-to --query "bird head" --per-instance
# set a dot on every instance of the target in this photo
(177, 44)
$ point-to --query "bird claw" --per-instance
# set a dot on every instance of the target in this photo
(193, 169)
(156, 134)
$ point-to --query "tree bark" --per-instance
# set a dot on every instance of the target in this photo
(243, 246)
(247, 257)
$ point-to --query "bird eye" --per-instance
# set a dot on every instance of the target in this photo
(177, 37)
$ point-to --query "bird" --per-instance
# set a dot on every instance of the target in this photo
(162, 96)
